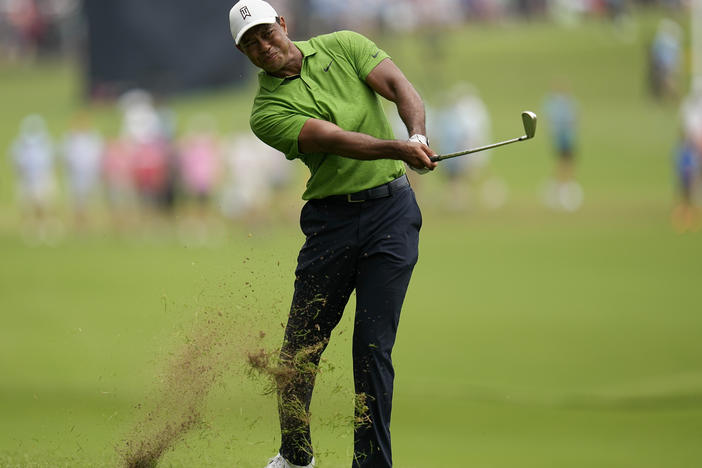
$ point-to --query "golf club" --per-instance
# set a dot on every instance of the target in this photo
(529, 120)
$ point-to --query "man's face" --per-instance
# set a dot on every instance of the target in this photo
(267, 46)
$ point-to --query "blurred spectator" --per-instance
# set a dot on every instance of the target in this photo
(24, 27)
(685, 215)
(82, 157)
(198, 167)
(665, 60)
(688, 162)
(29, 27)
(691, 115)
(147, 137)
(33, 159)
(151, 172)
(118, 183)
(253, 170)
(198, 159)
(561, 111)
(64, 26)
(463, 122)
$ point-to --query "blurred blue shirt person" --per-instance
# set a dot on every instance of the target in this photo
(33, 159)
(687, 162)
(561, 113)
(665, 59)
(32, 155)
(560, 108)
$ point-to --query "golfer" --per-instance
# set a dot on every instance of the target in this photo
(318, 102)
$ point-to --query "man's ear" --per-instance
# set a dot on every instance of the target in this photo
(283, 26)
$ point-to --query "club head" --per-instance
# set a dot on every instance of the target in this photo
(529, 120)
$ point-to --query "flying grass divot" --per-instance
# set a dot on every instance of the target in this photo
(215, 344)
(177, 406)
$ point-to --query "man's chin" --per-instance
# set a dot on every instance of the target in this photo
(273, 70)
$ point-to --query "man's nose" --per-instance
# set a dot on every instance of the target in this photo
(262, 44)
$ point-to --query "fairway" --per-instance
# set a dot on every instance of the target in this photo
(529, 337)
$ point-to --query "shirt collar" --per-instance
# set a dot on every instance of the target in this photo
(270, 83)
(305, 47)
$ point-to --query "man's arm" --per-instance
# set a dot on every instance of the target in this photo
(320, 136)
(389, 81)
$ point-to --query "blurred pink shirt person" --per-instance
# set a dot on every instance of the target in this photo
(199, 157)
(198, 164)
(116, 169)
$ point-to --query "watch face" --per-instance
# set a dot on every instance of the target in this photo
(419, 138)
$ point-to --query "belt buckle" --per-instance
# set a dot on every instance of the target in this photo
(351, 200)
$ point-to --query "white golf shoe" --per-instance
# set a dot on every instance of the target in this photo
(279, 462)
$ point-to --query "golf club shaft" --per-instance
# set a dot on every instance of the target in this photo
(441, 157)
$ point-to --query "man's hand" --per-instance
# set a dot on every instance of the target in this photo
(419, 162)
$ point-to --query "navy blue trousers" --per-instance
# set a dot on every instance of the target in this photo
(369, 246)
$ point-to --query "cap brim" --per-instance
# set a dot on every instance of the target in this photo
(268, 20)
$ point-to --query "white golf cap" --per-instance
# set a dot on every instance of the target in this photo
(246, 14)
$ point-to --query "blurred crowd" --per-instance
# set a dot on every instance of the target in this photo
(38, 27)
(666, 84)
(150, 174)
(144, 174)
(32, 27)
(315, 16)
(150, 171)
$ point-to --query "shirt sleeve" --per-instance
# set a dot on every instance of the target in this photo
(279, 128)
(361, 51)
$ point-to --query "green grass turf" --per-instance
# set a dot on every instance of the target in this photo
(528, 339)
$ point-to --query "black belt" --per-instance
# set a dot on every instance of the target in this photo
(381, 191)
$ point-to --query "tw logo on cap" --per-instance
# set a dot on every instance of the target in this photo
(244, 12)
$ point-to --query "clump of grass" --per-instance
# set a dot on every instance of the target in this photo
(281, 373)
(283, 377)
(268, 363)
(361, 416)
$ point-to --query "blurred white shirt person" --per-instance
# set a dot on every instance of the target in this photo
(82, 152)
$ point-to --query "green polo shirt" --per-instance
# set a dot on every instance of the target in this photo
(331, 87)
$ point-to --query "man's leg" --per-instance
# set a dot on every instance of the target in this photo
(311, 321)
(387, 258)
(324, 281)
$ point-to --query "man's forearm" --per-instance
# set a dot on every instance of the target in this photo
(351, 144)
(410, 108)
(320, 136)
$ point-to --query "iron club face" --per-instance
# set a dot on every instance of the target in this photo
(529, 120)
